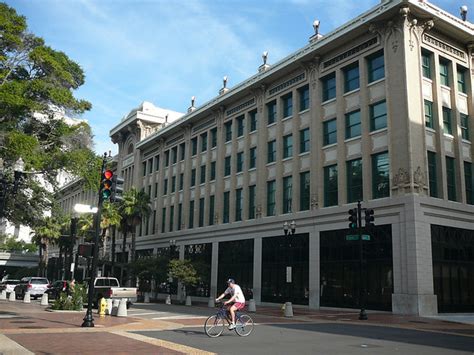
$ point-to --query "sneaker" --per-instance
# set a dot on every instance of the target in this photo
(232, 326)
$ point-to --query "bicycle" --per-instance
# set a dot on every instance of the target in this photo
(214, 325)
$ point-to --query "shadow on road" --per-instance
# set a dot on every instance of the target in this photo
(408, 336)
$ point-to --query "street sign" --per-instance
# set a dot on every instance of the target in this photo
(352, 237)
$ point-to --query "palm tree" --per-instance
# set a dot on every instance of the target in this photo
(110, 218)
(46, 232)
(134, 208)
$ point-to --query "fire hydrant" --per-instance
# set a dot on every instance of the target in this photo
(102, 307)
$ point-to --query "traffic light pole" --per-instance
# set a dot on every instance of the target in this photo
(362, 314)
(88, 319)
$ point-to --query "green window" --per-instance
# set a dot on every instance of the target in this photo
(163, 220)
(180, 216)
(240, 162)
(287, 105)
(191, 214)
(426, 64)
(150, 166)
(228, 131)
(181, 181)
(353, 128)
(464, 126)
(378, 116)
(380, 175)
(212, 207)
(303, 93)
(305, 184)
(444, 72)
(330, 132)
(287, 146)
(193, 177)
(252, 198)
(156, 189)
(253, 120)
(468, 181)
(240, 126)
(153, 228)
(157, 163)
(174, 155)
(461, 74)
(429, 114)
(203, 174)
(203, 142)
(167, 158)
(201, 212)
(165, 187)
(253, 157)
(225, 217)
(271, 151)
(171, 218)
(330, 186)
(173, 184)
(351, 77)
(227, 166)
(447, 125)
(271, 112)
(354, 180)
(194, 146)
(451, 178)
(238, 204)
(213, 137)
(304, 140)
(287, 194)
(271, 204)
(144, 168)
(213, 171)
(329, 86)
(432, 174)
(376, 66)
(182, 149)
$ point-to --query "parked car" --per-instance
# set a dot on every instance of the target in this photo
(35, 285)
(8, 285)
(109, 287)
(55, 289)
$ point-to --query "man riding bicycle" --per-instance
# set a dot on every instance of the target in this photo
(237, 298)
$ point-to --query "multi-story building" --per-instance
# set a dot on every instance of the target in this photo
(378, 110)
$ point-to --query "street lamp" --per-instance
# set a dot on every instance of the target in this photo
(172, 243)
(289, 229)
(6, 185)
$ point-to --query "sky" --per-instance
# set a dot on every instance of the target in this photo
(166, 51)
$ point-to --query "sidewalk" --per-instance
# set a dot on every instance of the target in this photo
(29, 328)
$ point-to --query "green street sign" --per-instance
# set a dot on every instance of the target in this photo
(352, 237)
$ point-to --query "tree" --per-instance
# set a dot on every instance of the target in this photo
(110, 218)
(11, 244)
(134, 208)
(47, 232)
(36, 94)
(184, 271)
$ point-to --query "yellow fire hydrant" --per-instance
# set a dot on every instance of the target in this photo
(102, 307)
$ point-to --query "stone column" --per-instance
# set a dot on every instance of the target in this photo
(214, 269)
(257, 270)
(314, 270)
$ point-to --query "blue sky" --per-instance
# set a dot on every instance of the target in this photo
(165, 51)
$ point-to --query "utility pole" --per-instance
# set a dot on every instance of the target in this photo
(362, 314)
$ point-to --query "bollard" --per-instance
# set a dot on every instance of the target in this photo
(27, 297)
(288, 309)
(211, 303)
(168, 299)
(44, 300)
(122, 308)
(115, 305)
(147, 297)
(102, 307)
(108, 310)
(3, 295)
(188, 301)
(252, 307)
(12, 297)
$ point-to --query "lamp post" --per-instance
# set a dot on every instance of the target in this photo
(172, 243)
(7, 185)
(289, 229)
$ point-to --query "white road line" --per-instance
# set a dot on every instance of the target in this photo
(142, 314)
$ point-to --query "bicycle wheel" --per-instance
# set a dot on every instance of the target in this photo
(214, 326)
(244, 325)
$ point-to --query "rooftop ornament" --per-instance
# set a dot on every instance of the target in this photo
(316, 36)
(464, 12)
(264, 66)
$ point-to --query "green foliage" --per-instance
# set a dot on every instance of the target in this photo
(134, 207)
(147, 269)
(11, 244)
(184, 271)
(72, 302)
(24, 272)
(37, 86)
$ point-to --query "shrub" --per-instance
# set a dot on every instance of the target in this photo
(71, 302)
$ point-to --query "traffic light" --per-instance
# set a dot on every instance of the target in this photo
(106, 184)
(85, 250)
(353, 218)
(369, 217)
(117, 189)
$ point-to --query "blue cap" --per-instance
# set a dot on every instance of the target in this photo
(229, 281)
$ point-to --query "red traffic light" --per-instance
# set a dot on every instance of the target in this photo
(108, 174)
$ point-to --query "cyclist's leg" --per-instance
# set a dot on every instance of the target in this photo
(232, 310)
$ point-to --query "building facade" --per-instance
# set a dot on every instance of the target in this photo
(379, 110)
